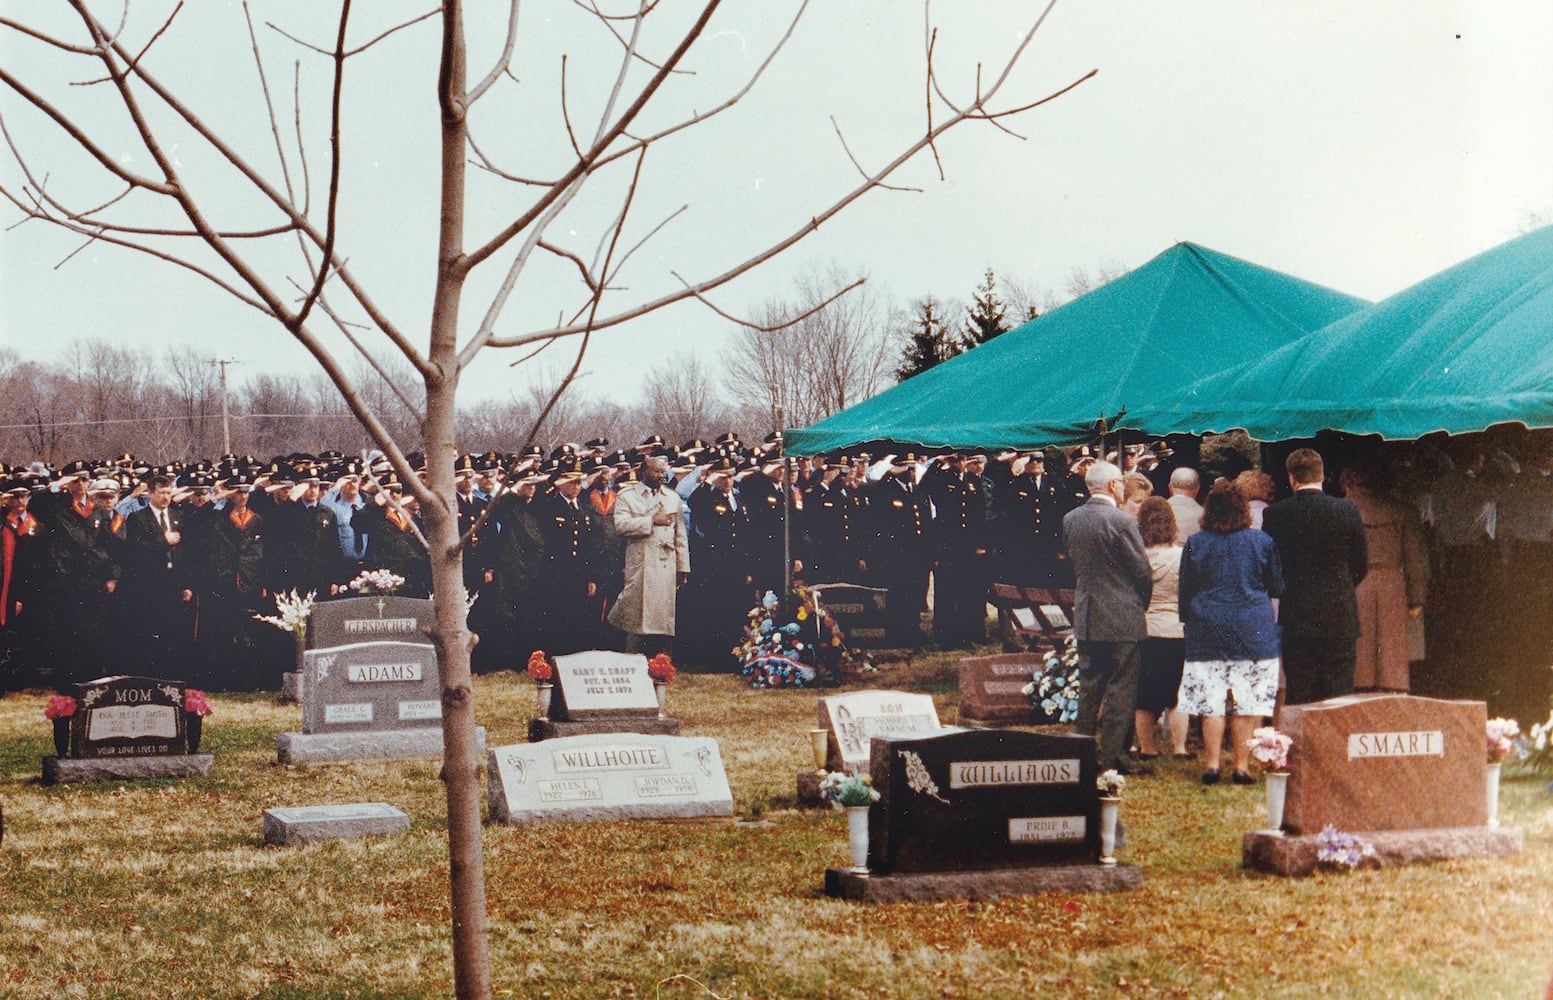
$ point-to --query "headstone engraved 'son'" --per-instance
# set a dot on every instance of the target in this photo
(128, 717)
(371, 686)
(608, 776)
(367, 619)
(1385, 762)
(599, 684)
(860, 612)
(854, 719)
(978, 800)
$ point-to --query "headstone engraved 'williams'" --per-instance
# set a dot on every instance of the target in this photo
(371, 686)
(599, 684)
(859, 612)
(853, 719)
(978, 800)
(608, 776)
(1385, 762)
(367, 619)
(128, 717)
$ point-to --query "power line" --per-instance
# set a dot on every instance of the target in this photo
(346, 414)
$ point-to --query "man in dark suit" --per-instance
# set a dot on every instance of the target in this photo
(1114, 584)
(1321, 542)
(157, 588)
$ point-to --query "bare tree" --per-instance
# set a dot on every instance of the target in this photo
(277, 232)
(1027, 299)
(681, 398)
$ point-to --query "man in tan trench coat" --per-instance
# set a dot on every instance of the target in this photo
(649, 517)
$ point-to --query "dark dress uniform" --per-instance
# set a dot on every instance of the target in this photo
(159, 623)
(471, 506)
(721, 591)
(21, 581)
(395, 547)
(77, 604)
(233, 592)
(572, 546)
(1027, 525)
(832, 517)
(516, 553)
(900, 518)
(761, 500)
(959, 541)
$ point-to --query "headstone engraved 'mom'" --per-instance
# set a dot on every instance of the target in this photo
(608, 776)
(854, 719)
(128, 717)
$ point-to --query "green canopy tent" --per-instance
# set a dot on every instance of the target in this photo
(1465, 349)
(1129, 344)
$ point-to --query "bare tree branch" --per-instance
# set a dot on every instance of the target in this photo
(582, 265)
(144, 49)
(847, 149)
(503, 62)
(331, 225)
(774, 326)
(81, 50)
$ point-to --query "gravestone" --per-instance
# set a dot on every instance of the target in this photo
(127, 727)
(608, 776)
(300, 824)
(1405, 773)
(600, 691)
(978, 812)
(350, 620)
(853, 719)
(377, 700)
(991, 688)
(859, 612)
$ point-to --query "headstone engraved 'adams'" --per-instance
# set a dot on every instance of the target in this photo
(859, 612)
(128, 717)
(599, 684)
(371, 686)
(368, 619)
(977, 800)
(1385, 762)
(853, 719)
(608, 776)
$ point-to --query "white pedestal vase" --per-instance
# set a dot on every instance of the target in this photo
(662, 691)
(545, 691)
(857, 838)
(1277, 789)
(1109, 806)
(1491, 785)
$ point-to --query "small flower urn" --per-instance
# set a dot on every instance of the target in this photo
(193, 728)
(1277, 789)
(1110, 805)
(857, 838)
(545, 691)
(662, 691)
(1491, 787)
(62, 737)
(819, 746)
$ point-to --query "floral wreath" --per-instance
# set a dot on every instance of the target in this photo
(1054, 692)
(809, 651)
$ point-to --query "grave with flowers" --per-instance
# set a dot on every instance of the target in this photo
(370, 687)
(126, 727)
(986, 813)
(1381, 780)
(376, 613)
(796, 643)
(601, 691)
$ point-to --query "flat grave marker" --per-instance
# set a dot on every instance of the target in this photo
(300, 824)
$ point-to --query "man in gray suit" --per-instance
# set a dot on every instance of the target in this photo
(1113, 587)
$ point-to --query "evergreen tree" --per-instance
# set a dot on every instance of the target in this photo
(984, 320)
(930, 344)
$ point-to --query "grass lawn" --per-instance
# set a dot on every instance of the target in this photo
(166, 889)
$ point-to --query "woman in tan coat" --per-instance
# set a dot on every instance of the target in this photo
(1393, 590)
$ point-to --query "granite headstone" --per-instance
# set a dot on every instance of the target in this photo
(976, 800)
(599, 684)
(853, 719)
(366, 619)
(608, 776)
(860, 612)
(991, 688)
(299, 824)
(371, 687)
(126, 716)
(1385, 762)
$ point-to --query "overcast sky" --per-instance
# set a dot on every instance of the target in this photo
(1362, 146)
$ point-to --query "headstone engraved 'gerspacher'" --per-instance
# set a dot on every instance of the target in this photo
(128, 717)
(975, 800)
(367, 619)
(608, 776)
(853, 719)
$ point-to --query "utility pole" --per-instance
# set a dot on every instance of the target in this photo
(226, 420)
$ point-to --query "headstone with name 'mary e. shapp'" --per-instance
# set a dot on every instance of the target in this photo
(608, 776)
(601, 691)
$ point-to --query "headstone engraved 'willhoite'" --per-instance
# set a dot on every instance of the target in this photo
(608, 776)
(975, 800)
(126, 716)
